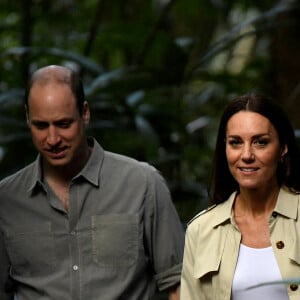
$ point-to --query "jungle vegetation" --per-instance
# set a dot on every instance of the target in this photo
(157, 74)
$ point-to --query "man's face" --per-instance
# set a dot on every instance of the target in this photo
(57, 129)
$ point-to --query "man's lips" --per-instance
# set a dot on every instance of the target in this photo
(57, 152)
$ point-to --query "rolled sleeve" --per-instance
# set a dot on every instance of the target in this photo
(5, 294)
(165, 234)
(169, 278)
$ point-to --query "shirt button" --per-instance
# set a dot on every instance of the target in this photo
(294, 287)
(280, 244)
(274, 214)
(75, 267)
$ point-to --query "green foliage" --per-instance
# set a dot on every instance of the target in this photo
(157, 75)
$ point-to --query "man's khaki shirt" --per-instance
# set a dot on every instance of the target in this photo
(212, 247)
(120, 239)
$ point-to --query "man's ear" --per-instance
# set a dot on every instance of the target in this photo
(86, 113)
(27, 115)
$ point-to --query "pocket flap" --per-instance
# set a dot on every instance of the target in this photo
(295, 251)
(210, 246)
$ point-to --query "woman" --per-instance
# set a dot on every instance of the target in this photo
(251, 234)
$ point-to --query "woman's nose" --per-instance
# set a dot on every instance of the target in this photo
(247, 153)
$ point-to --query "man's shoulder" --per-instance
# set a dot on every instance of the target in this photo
(126, 169)
(20, 175)
(129, 162)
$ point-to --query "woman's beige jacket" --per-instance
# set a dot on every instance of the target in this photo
(212, 247)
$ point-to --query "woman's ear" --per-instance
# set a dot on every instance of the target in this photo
(284, 151)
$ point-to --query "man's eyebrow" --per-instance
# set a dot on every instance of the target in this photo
(63, 120)
(39, 122)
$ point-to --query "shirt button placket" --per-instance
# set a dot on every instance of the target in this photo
(75, 267)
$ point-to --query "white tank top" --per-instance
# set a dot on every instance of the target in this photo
(256, 266)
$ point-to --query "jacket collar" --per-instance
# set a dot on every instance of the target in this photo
(290, 211)
(225, 212)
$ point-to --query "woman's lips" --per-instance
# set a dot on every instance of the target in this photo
(247, 170)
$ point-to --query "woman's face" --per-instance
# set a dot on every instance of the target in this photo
(253, 150)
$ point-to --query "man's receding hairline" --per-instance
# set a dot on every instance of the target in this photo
(52, 74)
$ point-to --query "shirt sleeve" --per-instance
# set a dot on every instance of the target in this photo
(6, 292)
(164, 232)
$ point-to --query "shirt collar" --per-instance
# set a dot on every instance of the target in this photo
(36, 179)
(90, 172)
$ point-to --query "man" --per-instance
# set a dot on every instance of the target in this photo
(80, 222)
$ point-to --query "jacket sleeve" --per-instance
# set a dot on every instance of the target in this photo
(190, 285)
(6, 292)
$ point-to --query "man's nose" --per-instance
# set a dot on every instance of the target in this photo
(53, 136)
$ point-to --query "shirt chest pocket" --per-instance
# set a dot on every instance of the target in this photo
(115, 240)
(31, 250)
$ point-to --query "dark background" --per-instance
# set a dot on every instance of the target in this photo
(157, 74)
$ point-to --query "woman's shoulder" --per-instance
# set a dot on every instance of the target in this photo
(215, 214)
(204, 223)
(202, 213)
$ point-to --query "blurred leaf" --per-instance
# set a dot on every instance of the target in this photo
(235, 34)
(68, 55)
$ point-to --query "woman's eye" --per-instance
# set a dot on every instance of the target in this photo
(234, 142)
(261, 142)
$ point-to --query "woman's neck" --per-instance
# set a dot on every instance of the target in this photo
(256, 202)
